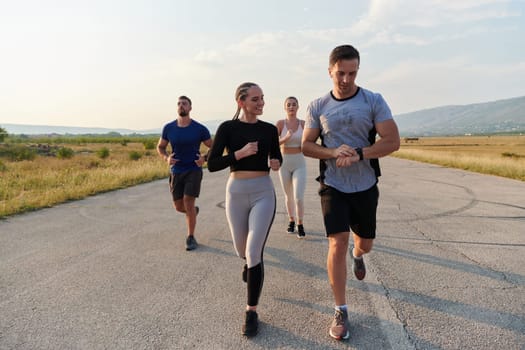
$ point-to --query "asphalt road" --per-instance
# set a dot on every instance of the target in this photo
(110, 272)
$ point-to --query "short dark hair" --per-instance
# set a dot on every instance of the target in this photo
(343, 52)
(185, 98)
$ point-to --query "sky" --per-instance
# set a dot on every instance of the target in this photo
(123, 63)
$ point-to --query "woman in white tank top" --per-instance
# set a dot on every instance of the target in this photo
(293, 170)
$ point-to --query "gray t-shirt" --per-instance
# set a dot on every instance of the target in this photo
(349, 122)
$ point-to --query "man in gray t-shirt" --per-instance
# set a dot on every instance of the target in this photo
(347, 120)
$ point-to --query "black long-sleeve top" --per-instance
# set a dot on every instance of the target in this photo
(232, 135)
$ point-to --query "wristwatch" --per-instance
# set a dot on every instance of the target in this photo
(359, 151)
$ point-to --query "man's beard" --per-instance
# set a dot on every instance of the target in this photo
(183, 114)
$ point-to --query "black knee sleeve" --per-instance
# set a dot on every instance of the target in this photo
(255, 278)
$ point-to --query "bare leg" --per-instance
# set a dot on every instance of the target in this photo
(191, 214)
(362, 245)
(336, 265)
(187, 205)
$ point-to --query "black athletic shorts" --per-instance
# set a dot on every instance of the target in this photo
(187, 183)
(343, 212)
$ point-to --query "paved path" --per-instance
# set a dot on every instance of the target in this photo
(111, 272)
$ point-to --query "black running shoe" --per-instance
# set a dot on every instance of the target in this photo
(191, 243)
(300, 231)
(291, 227)
(251, 324)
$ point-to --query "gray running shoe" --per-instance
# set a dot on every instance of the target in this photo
(191, 243)
(358, 267)
(340, 328)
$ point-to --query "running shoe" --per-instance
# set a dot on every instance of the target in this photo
(191, 243)
(291, 227)
(300, 231)
(251, 324)
(340, 328)
(358, 266)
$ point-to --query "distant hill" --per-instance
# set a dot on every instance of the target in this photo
(480, 118)
(501, 116)
(22, 129)
(19, 129)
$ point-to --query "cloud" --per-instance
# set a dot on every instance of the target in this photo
(387, 21)
(210, 57)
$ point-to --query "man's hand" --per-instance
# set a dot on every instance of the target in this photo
(343, 151)
(200, 161)
(345, 161)
(171, 160)
(346, 156)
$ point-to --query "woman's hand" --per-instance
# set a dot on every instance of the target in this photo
(275, 164)
(249, 149)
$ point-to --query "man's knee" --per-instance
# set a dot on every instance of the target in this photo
(179, 206)
(339, 243)
(363, 244)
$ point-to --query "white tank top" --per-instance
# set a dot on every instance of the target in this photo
(295, 140)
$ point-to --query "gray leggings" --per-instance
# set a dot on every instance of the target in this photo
(250, 210)
(293, 180)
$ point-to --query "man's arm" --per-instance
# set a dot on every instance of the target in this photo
(387, 143)
(208, 143)
(312, 149)
(161, 149)
(204, 158)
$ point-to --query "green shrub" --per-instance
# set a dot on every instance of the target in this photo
(511, 155)
(149, 144)
(3, 134)
(17, 152)
(65, 153)
(134, 155)
(103, 152)
(3, 167)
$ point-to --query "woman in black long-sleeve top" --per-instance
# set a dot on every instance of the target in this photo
(252, 149)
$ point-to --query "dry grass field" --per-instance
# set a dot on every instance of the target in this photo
(85, 168)
(495, 155)
(92, 168)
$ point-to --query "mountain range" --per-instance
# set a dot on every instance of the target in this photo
(500, 116)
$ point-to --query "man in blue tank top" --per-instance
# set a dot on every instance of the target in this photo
(347, 120)
(185, 136)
